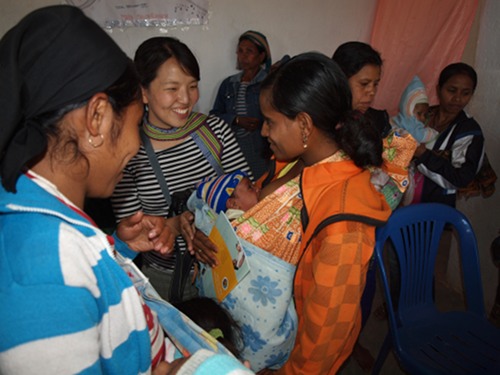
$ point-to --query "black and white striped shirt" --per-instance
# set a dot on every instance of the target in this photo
(183, 166)
(241, 107)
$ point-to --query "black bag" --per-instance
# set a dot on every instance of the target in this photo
(179, 202)
(183, 261)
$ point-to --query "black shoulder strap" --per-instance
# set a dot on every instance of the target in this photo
(183, 261)
(343, 217)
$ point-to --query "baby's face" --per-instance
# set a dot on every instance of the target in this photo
(420, 110)
(245, 195)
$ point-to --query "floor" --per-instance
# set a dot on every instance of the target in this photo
(375, 330)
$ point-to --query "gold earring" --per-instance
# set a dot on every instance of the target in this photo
(96, 145)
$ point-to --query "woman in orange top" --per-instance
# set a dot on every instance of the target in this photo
(307, 115)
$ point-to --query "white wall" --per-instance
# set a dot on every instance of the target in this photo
(484, 214)
(291, 26)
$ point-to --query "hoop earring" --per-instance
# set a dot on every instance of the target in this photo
(96, 145)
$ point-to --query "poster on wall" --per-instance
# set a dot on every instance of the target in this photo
(146, 13)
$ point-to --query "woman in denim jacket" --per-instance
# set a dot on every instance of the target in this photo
(237, 100)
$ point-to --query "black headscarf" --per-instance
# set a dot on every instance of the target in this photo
(53, 57)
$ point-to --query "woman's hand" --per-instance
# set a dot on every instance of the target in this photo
(197, 243)
(420, 150)
(248, 123)
(204, 249)
(187, 228)
(145, 232)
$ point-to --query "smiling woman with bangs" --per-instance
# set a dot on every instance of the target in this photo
(187, 146)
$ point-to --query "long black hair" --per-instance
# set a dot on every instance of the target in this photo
(314, 84)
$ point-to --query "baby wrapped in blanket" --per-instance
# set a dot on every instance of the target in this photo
(270, 232)
(413, 107)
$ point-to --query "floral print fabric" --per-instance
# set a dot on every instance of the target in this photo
(274, 223)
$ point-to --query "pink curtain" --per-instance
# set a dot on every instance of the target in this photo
(418, 37)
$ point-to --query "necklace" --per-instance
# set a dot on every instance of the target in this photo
(157, 130)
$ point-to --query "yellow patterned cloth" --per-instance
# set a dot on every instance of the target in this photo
(274, 224)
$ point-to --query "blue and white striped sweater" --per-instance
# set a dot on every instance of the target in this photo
(65, 304)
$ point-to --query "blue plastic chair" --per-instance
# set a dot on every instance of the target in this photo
(425, 340)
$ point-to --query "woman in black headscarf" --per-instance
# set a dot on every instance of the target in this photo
(70, 108)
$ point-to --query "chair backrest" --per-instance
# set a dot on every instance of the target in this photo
(415, 232)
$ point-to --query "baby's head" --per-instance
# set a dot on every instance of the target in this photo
(233, 190)
(245, 195)
(420, 110)
(414, 101)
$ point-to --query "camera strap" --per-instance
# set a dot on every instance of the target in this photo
(183, 261)
(156, 166)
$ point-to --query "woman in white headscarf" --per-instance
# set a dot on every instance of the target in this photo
(237, 100)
